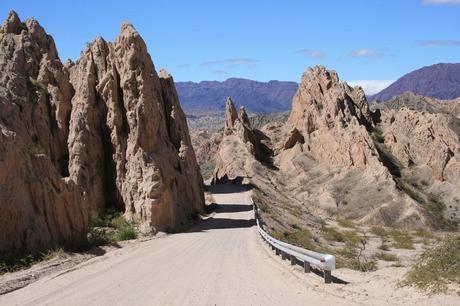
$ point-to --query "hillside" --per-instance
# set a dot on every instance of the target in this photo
(441, 81)
(258, 97)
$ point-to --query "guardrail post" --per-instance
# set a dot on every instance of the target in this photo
(306, 267)
(277, 252)
(283, 255)
(293, 260)
(327, 277)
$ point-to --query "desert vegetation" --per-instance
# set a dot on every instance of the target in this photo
(437, 268)
(17, 264)
(108, 228)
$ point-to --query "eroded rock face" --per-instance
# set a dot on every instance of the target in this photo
(106, 131)
(39, 207)
(334, 120)
(238, 150)
(329, 163)
(134, 132)
(424, 138)
(423, 134)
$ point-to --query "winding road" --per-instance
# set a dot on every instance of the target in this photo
(221, 261)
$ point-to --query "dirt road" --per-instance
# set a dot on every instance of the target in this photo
(222, 261)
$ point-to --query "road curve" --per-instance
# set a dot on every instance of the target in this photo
(222, 261)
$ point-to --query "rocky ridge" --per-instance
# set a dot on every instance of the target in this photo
(106, 131)
(335, 158)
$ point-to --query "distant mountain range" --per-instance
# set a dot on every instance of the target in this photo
(257, 97)
(441, 81)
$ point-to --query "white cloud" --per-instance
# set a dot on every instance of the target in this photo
(369, 53)
(440, 43)
(311, 53)
(371, 87)
(452, 2)
(231, 61)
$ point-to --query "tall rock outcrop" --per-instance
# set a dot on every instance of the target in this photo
(239, 148)
(40, 206)
(106, 131)
(134, 133)
(334, 120)
(328, 161)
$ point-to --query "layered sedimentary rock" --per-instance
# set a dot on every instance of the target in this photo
(239, 147)
(106, 131)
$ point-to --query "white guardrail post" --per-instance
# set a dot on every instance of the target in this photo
(325, 262)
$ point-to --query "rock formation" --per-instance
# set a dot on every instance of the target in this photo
(334, 120)
(328, 162)
(239, 147)
(106, 131)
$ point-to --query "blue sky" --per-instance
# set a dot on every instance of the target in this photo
(369, 40)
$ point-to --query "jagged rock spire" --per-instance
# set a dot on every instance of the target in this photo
(106, 131)
(230, 114)
(12, 24)
(243, 116)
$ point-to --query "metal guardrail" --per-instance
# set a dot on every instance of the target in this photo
(324, 262)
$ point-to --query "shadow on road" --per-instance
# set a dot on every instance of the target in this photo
(228, 208)
(223, 223)
(224, 188)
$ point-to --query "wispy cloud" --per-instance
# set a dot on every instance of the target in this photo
(219, 72)
(311, 53)
(241, 61)
(371, 87)
(449, 2)
(368, 53)
(440, 43)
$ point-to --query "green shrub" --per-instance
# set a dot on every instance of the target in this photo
(17, 264)
(332, 234)
(424, 234)
(345, 223)
(437, 267)
(386, 256)
(401, 239)
(302, 238)
(379, 231)
(118, 222)
(352, 258)
(436, 208)
(126, 232)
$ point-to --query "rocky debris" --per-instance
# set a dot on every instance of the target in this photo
(106, 131)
